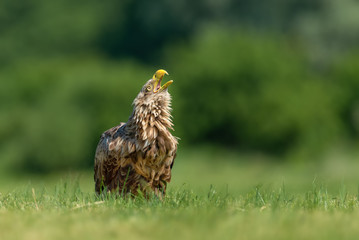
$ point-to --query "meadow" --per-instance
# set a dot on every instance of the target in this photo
(214, 194)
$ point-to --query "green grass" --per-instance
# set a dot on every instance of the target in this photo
(214, 195)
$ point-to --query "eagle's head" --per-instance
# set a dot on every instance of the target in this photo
(153, 87)
(152, 93)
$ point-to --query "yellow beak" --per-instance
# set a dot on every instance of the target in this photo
(158, 78)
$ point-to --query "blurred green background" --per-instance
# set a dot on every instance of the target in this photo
(275, 78)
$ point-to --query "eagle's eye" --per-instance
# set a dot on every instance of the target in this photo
(149, 88)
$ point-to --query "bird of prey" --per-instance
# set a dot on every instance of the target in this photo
(137, 156)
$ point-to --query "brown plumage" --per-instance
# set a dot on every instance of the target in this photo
(138, 155)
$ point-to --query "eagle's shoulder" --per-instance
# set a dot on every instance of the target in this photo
(108, 140)
(114, 132)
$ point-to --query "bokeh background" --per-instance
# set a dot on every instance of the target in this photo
(277, 79)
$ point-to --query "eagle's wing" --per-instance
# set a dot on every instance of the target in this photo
(111, 159)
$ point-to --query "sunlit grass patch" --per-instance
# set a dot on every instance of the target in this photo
(211, 196)
(267, 212)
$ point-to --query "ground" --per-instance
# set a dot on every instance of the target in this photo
(214, 195)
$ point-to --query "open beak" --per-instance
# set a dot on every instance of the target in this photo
(158, 78)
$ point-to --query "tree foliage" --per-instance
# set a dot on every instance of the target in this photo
(274, 76)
